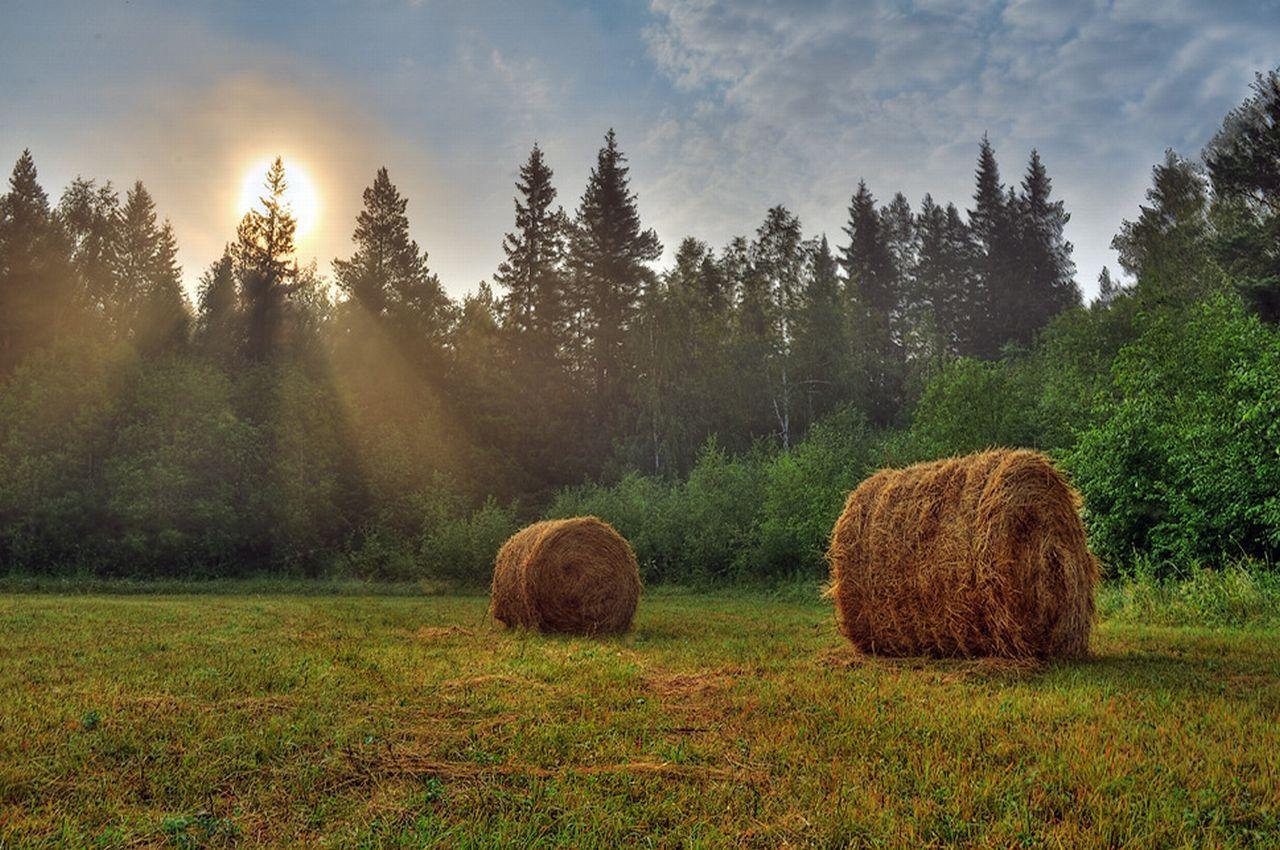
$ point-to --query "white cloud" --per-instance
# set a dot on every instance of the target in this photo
(800, 100)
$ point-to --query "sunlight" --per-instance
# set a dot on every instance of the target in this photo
(300, 197)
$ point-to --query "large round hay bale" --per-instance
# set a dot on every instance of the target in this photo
(574, 575)
(976, 555)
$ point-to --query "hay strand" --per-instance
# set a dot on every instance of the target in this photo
(983, 555)
(573, 575)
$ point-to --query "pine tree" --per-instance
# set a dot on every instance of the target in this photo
(36, 281)
(136, 251)
(1108, 289)
(609, 260)
(991, 226)
(1046, 281)
(902, 240)
(163, 321)
(778, 258)
(533, 272)
(266, 268)
(218, 330)
(874, 302)
(867, 261)
(387, 277)
(1243, 160)
(820, 344)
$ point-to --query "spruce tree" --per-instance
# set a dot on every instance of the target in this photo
(610, 254)
(874, 302)
(867, 261)
(265, 266)
(533, 272)
(1108, 289)
(820, 344)
(218, 331)
(163, 320)
(136, 252)
(1046, 279)
(387, 278)
(36, 281)
(991, 310)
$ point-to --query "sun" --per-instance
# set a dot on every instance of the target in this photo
(300, 195)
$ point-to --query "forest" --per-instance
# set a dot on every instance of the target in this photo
(355, 421)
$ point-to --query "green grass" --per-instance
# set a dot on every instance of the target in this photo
(722, 720)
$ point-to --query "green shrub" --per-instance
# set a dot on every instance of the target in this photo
(1184, 466)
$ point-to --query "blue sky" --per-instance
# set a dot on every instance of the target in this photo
(724, 108)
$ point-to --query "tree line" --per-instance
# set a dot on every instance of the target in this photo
(286, 415)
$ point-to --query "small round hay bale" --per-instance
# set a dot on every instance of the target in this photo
(574, 575)
(969, 556)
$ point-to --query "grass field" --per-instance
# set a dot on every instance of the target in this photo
(721, 720)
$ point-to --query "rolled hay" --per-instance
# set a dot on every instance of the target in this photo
(983, 555)
(574, 575)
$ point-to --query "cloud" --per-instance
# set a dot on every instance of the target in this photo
(797, 101)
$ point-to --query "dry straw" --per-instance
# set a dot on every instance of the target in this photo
(976, 555)
(567, 575)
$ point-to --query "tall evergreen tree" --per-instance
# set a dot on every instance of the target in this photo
(820, 344)
(387, 278)
(218, 330)
(1108, 288)
(874, 302)
(610, 254)
(533, 272)
(162, 323)
(944, 280)
(36, 283)
(991, 227)
(1046, 279)
(778, 258)
(266, 267)
(867, 261)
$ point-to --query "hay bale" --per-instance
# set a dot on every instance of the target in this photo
(567, 575)
(976, 555)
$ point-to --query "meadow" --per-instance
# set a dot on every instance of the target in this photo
(733, 718)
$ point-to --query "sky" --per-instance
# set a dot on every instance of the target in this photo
(723, 108)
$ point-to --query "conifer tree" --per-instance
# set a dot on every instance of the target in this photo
(36, 282)
(1108, 289)
(991, 225)
(1046, 279)
(533, 272)
(387, 277)
(266, 267)
(163, 320)
(610, 254)
(820, 344)
(867, 261)
(219, 327)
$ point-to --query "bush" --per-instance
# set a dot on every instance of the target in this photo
(804, 492)
(1184, 465)
(968, 406)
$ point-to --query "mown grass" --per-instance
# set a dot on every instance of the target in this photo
(728, 719)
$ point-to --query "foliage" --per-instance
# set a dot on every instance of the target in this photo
(1184, 464)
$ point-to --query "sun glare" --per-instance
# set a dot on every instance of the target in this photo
(300, 196)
